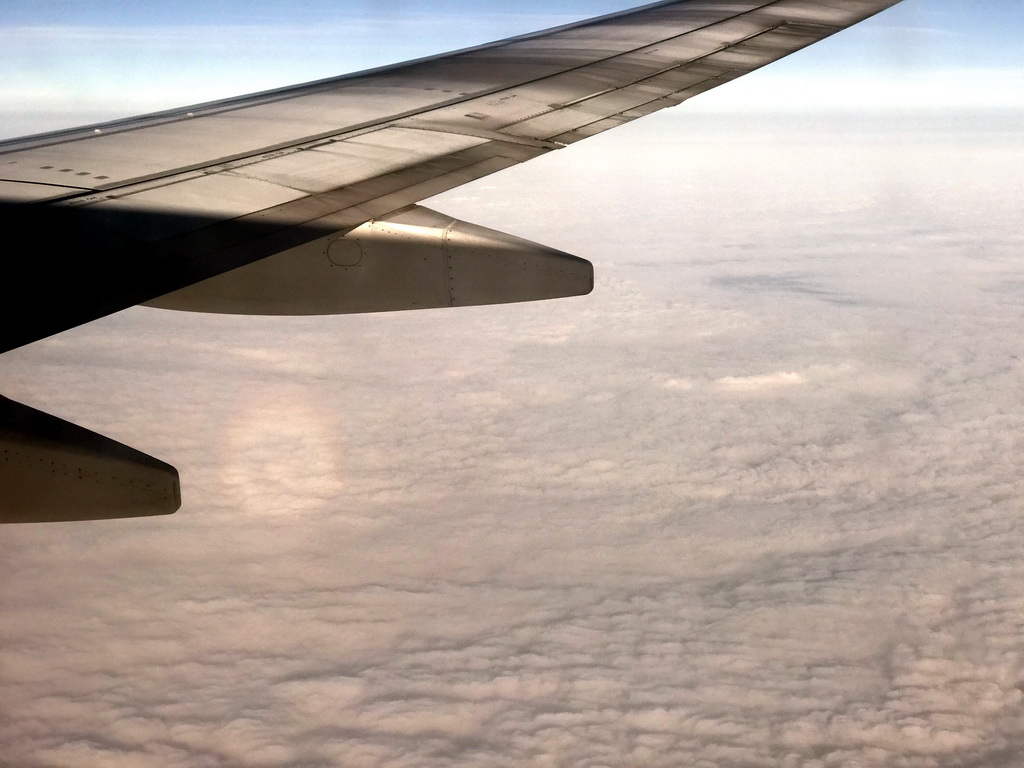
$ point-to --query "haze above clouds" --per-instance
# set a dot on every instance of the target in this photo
(754, 502)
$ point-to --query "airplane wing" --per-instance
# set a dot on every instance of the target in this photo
(303, 200)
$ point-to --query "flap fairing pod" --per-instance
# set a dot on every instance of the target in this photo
(417, 259)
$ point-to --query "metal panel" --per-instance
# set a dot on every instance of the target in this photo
(341, 163)
(23, 192)
(754, 47)
(181, 207)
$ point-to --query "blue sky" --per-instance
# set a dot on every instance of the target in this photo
(67, 63)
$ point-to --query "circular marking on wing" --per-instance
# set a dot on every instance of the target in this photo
(344, 253)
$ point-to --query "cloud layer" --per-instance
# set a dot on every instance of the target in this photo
(755, 502)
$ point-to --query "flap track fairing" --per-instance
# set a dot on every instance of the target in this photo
(417, 259)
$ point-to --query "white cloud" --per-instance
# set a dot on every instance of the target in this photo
(761, 382)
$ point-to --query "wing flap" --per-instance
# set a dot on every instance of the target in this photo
(682, 81)
(330, 165)
(29, 192)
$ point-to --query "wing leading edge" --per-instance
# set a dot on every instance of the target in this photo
(303, 200)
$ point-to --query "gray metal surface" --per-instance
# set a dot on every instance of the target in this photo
(163, 201)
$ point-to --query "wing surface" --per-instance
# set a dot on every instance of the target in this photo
(117, 214)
